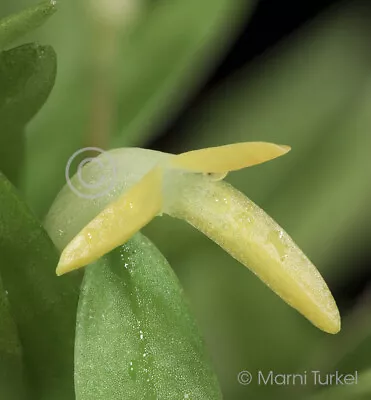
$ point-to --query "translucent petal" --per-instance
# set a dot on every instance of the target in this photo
(115, 224)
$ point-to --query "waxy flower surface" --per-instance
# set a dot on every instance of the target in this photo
(189, 186)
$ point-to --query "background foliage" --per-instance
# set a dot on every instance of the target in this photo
(124, 77)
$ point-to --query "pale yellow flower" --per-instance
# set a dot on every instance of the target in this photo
(190, 186)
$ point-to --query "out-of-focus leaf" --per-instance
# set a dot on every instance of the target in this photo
(169, 54)
(295, 96)
(17, 25)
(43, 306)
(351, 349)
(159, 63)
(289, 96)
(136, 338)
(357, 391)
(27, 75)
(12, 385)
(335, 174)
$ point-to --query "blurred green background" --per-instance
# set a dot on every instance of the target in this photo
(176, 75)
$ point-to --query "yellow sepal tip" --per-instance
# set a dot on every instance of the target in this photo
(115, 224)
(227, 158)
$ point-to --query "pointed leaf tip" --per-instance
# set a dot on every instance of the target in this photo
(14, 26)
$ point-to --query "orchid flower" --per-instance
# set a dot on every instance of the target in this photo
(189, 186)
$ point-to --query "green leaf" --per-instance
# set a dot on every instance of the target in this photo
(175, 49)
(341, 169)
(136, 338)
(27, 75)
(15, 26)
(43, 305)
(247, 325)
(12, 381)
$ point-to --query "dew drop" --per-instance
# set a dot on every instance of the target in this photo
(133, 370)
(274, 238)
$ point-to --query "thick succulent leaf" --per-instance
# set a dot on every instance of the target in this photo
(136, 338)
(27, 75)
(15, 26)
(43, 306)
(12, 382)
(158, 64)
(231, 303)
